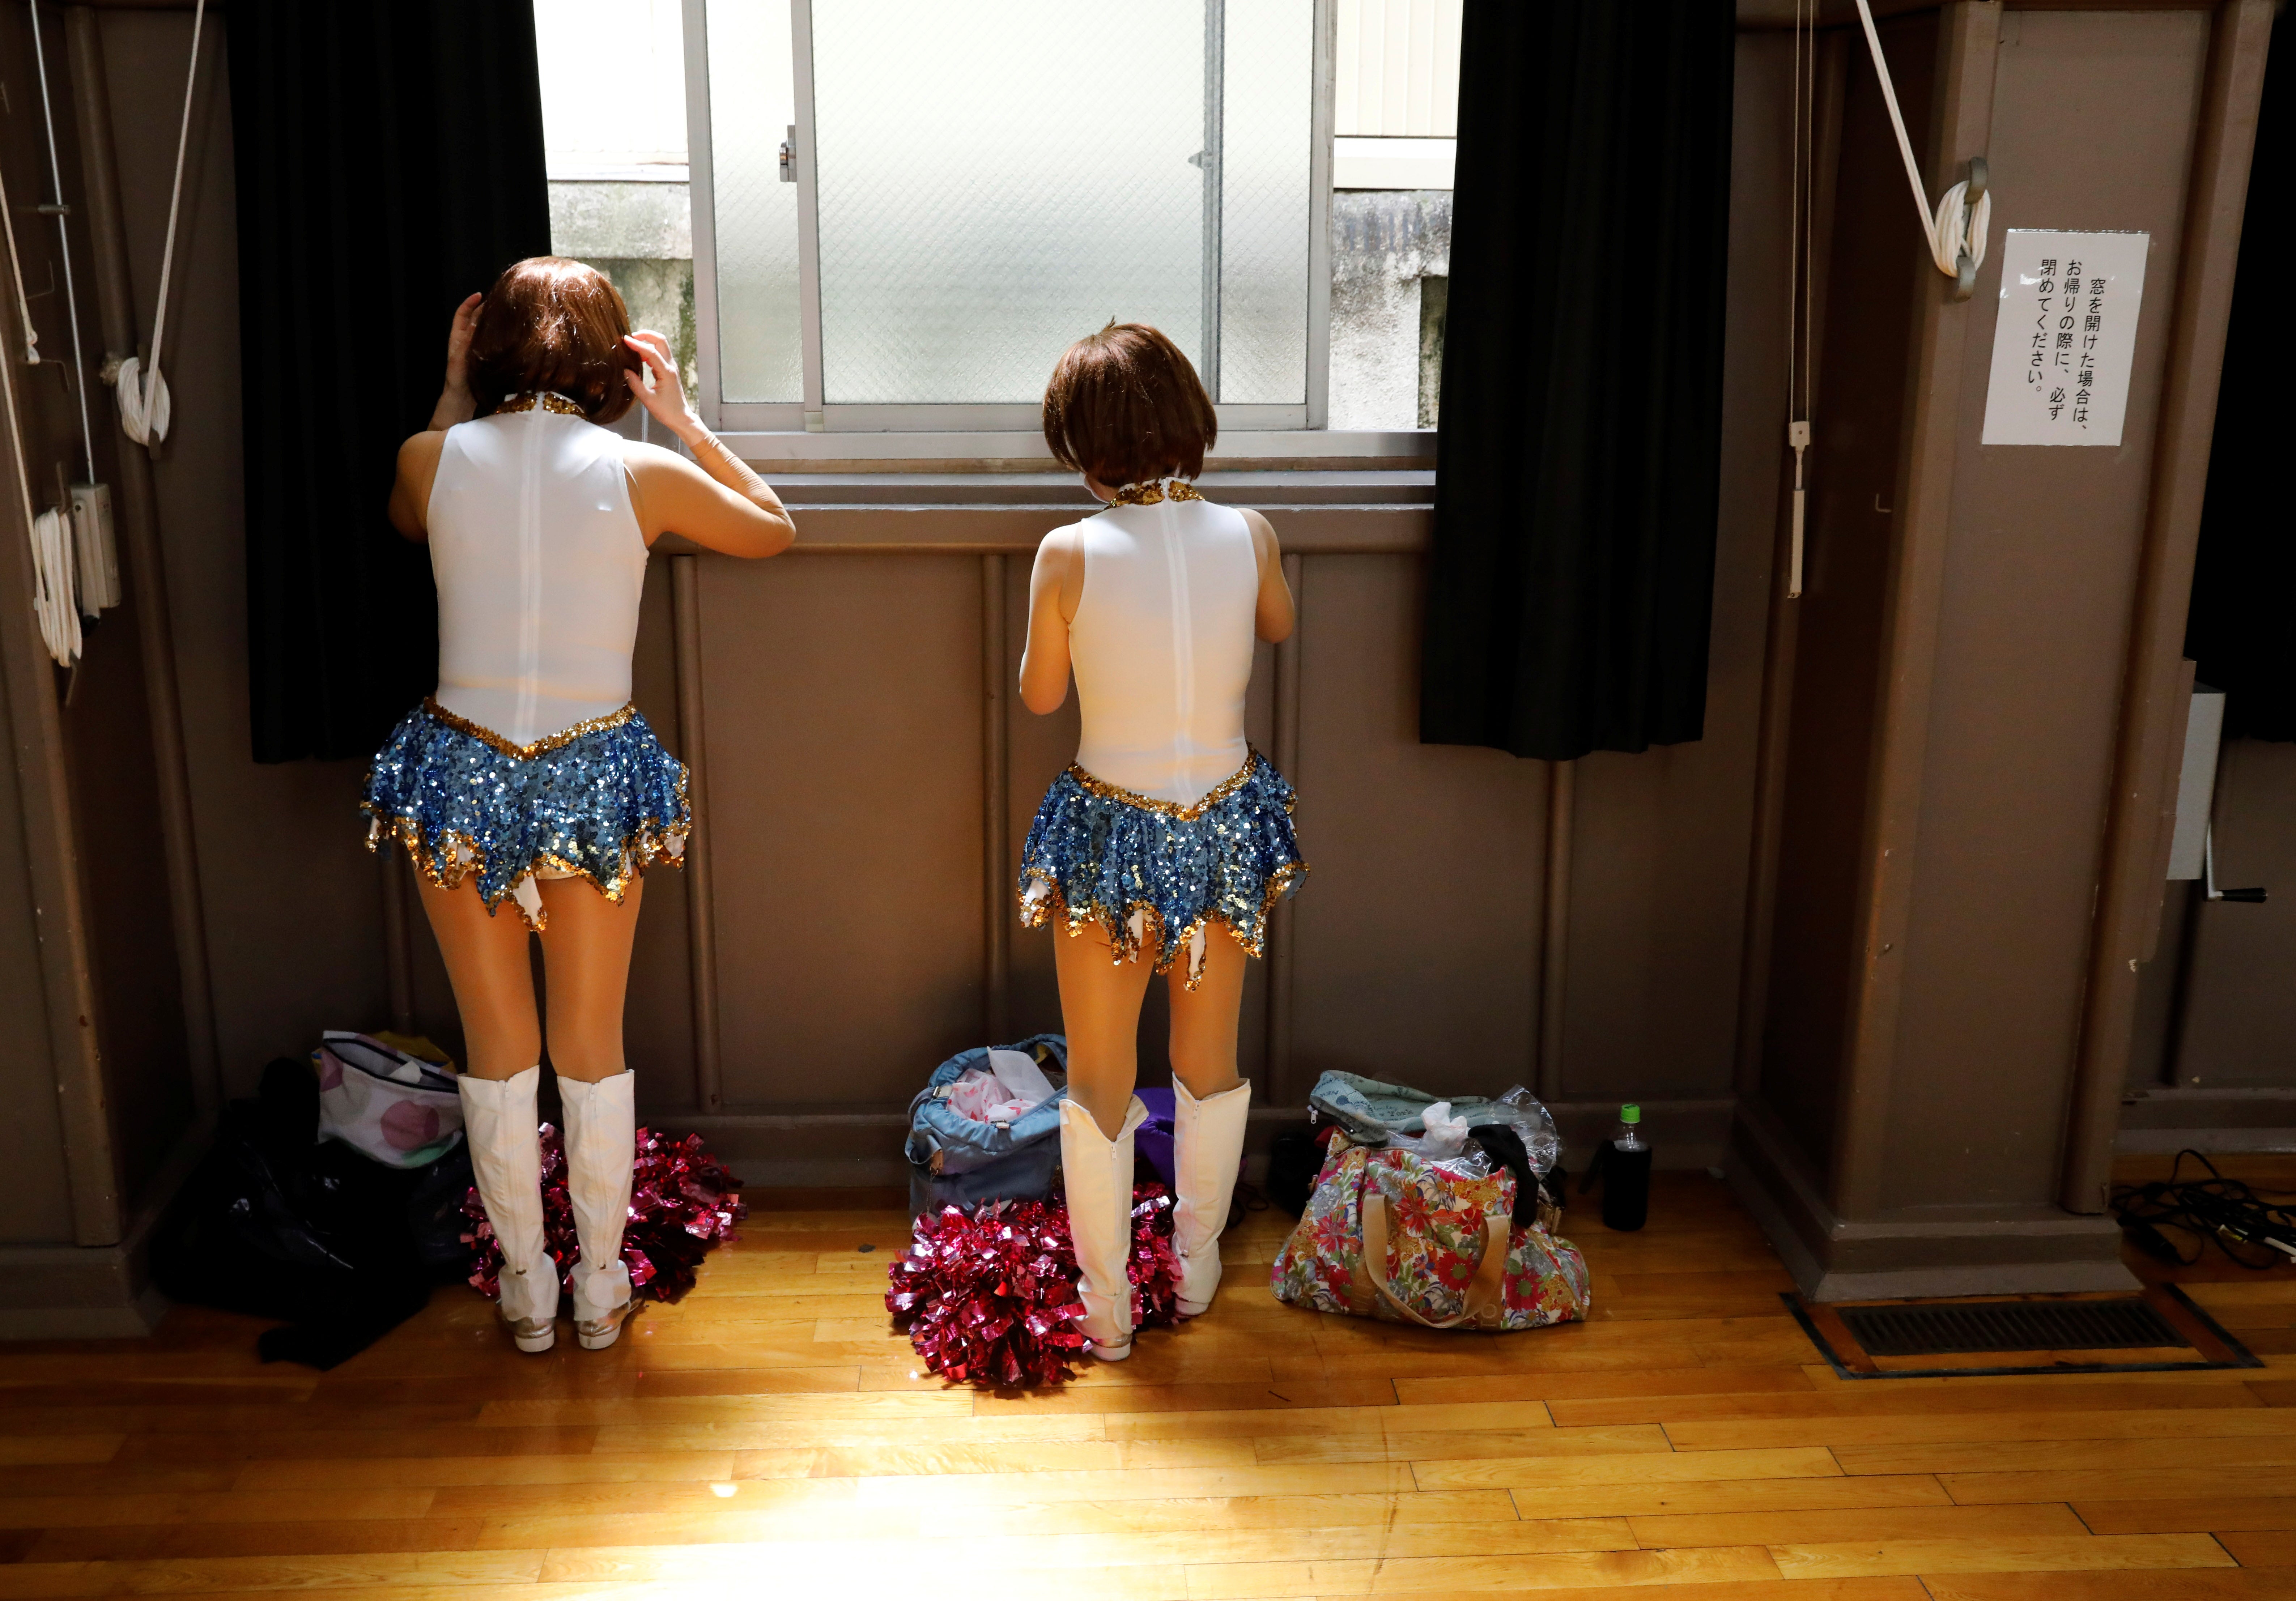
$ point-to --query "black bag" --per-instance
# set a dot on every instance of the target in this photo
(1294, 1158)
(340, 1248)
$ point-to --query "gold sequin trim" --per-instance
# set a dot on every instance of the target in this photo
(1171, 808)
(446, 861)
(1154, 491)
(548, 402)
(540, 747)
(1116, 926)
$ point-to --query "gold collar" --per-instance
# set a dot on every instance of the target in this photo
(1154, 490)
(547, 400)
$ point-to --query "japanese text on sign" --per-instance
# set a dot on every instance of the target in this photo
(2066, 335)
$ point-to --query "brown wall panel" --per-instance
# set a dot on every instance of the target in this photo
(843, 706)
(1418, 927)
(2040, 580)
(32, 1137)
(658, 1019)
(1852, 471)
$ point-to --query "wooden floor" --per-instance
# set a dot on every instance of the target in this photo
(770, 1436)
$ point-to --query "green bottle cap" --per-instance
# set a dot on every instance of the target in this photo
(1630, 1113)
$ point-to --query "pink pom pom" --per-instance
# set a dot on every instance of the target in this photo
(990, 1299)
(682, 1203)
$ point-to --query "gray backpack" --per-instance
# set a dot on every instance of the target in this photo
(956, 1159)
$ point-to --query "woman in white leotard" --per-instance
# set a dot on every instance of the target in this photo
(1166, 843)
(528, 777)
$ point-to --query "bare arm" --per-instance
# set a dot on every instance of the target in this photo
(719, 503)
(418, 458)
(1273, 617)
(1055, 585)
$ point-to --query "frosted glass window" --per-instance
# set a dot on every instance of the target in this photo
(1266, 202)
(752, 102)
(994, 182)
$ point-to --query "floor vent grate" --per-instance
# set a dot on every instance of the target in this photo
(1932, 1330)
(2159, 1329)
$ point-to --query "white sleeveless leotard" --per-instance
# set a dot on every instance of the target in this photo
(1162, 644)
(540, 564)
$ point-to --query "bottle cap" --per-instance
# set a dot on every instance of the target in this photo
(1630, 1113)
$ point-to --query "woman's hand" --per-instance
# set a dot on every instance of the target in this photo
(667, 399)
(455, 403)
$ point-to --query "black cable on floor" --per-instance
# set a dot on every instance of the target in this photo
(2251, 1231)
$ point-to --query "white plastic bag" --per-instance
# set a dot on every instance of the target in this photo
(386, 1104)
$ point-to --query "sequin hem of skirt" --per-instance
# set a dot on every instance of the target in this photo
(603, 805)
(1151, 874)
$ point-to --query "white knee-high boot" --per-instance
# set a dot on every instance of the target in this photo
(1098, 1172)
(601, 1142)
(1207, 1145)
(499, 1121)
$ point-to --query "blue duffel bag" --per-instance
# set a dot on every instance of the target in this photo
(956, 1159)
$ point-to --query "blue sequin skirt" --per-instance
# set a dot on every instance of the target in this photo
(601, 801)
(1151, 873)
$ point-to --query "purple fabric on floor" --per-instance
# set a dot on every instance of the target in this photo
(1151, 1142)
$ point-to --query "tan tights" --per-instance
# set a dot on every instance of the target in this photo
(586, 957)
(1100, 1009)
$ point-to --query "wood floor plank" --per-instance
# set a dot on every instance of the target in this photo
(432, 1471)
(2137, 1456)
(1950, 1427)
(1398, 1446)
(1998, 1554)
(84, 1511)
(1257, 1423)
(158, 1542)
(2221, 1584)
(1824, 1527)
(2176, 1514)
(1648, 1499)
(1473, 1575)
(1899, 1397)
(2108, 1484)
(1605, 1385)
(1542, 1473)
(1192, 1398)
(223, 1574)
(2260, 1548)
(35, 1450)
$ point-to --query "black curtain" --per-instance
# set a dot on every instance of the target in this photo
(2243, 627)
(389, 161)
(1578, 449)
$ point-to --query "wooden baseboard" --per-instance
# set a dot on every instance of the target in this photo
(2006, 1251)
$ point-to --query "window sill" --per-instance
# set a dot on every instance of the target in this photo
(1307, 450)
(1384, 511)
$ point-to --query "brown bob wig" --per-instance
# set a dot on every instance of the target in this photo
(1124, 406)
(551, 324)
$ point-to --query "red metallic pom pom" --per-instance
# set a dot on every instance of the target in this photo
(682, 1203)
(989, 1298)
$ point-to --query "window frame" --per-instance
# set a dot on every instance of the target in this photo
(815, 429)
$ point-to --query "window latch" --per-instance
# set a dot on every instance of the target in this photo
(789, 156)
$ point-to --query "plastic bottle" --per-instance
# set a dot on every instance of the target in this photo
(1626, 1174)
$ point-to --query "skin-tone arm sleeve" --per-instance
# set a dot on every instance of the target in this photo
(1055, 584)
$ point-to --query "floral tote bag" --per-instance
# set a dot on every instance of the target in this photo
(1387, 1234)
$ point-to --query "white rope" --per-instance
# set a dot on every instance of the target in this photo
(16, 271)
(143, 392)
(52, 599)
(1956, 228)
(63, 241)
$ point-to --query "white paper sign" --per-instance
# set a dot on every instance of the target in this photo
(2066, 336)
